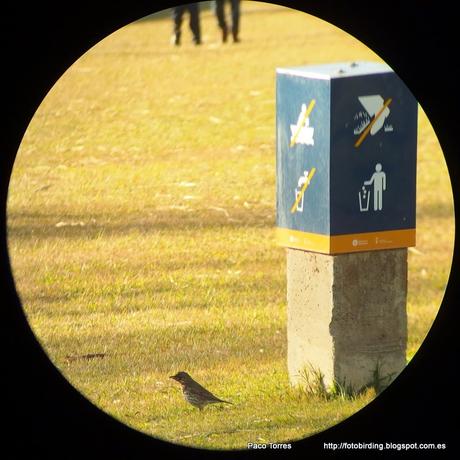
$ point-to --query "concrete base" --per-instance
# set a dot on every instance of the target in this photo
(347, 317)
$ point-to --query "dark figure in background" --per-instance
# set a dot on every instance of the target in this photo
(220, 13)
(178, 14)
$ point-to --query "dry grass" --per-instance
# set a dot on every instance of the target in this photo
(141, 226)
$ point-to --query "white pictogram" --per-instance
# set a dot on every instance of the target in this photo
(364, 196)
(302, 185)
(379, 181)
(373, 118)
(298, 190)
(302, 132)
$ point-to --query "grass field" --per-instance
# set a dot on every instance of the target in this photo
(141, 228)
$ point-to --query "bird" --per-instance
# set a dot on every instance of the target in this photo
(194, 393)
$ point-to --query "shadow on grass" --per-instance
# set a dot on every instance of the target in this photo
(24, 225)
(160, 350)
(158, 295)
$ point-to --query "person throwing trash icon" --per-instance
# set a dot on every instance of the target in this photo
(380, 184)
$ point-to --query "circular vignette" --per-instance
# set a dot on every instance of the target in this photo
(77, 225)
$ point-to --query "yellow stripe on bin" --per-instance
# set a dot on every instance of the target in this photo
(388, 239)
(342, 244)
(302, 240)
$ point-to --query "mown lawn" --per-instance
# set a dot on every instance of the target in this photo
(141, 228)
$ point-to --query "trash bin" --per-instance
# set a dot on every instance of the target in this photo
(354, 126)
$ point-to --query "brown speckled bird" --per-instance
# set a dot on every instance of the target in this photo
(194, 393)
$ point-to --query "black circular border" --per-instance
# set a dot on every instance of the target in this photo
(46, 417)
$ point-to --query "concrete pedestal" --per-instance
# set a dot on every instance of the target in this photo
(347, 317)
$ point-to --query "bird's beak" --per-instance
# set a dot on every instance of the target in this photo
(172, 377)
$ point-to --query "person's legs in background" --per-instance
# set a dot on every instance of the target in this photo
(194, 10)
(235, 20)
(177, 13)
(219, 6)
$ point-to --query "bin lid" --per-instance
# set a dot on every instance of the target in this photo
(337, 69)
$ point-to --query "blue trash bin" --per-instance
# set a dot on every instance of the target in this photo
(346, 158)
